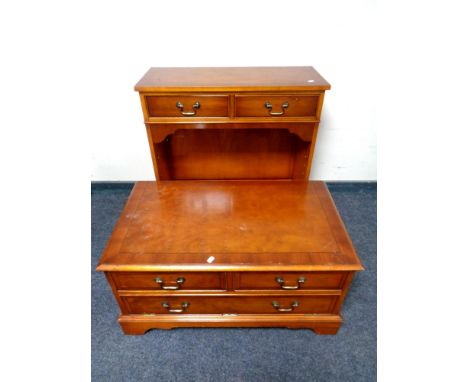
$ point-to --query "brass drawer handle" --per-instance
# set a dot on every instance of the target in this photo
(195, 107)
(269, 106)
(278, 307)
(183, 307)
(179, 281)
(300, 280)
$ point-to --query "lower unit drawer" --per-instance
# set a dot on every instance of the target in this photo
(170, 281)
(289, 280)
(229, 304)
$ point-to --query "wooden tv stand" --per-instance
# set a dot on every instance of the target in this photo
(232, 233)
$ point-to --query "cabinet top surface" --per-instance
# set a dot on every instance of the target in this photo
(229, 225)
(292, 78)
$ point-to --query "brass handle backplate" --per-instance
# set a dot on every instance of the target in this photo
(278, 307)
(300, 280)
(179, 281)
(182, 308)
(269, 106)
(195, 107)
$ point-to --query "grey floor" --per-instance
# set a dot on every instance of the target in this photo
(240, 354)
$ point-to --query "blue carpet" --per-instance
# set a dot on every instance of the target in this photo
(240, 354)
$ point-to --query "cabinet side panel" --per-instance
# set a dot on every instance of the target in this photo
(122, 305)
(345, 289)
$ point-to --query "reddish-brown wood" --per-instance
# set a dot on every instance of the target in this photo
(166, 105)
(191, 281)
(232, 100)
(292, 78)
(269, 280)
(230, 304)
(254, 230)
(243, 225)
(241, 239)
(138, 324)
(298, 106)
(305, 131)
(110, 280)
(230, 154)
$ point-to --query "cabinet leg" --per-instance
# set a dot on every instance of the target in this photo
(138, 327)
(133, 329)
(326, 329)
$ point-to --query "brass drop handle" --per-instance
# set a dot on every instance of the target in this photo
(269, 106)
(278, 307)
(183, 307)
(179, 281)
(195, 107)
(300, 280)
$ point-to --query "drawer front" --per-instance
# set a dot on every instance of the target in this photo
(187, 106)
(229, 305)
(277, 106)
(170, 281)
(288, 280)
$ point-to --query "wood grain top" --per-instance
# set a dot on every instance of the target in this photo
(229, 225)
(291, 78)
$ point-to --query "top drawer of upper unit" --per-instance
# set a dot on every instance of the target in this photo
(274, 105)
(186, 106)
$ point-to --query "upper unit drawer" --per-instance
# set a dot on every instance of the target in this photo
(277, 105)
(187, 106)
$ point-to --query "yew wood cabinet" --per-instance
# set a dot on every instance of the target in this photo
(232, 233)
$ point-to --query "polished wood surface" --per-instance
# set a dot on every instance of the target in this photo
(137, 324)
(232, 234)
(166, 106)
(231, 154)
(298, 106)
(230, 241)
(230, 304)
(298, 78)
(268, 280)
(191, 281)
(265, 224)
(208, 137)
